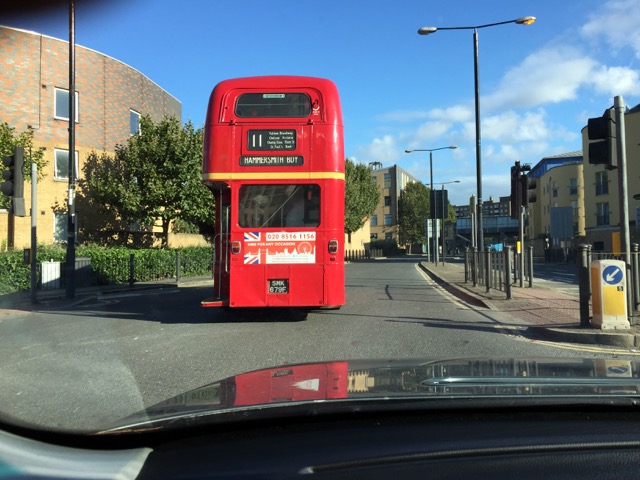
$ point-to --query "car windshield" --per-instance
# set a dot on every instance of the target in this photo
(290, 203)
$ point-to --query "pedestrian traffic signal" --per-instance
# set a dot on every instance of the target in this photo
(601, 132)
(13, 176)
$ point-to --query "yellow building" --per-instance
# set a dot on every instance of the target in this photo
(557, 218)
(602, 219)
(390, 181)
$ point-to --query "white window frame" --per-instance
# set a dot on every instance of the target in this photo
(55, 103)
(55, 163)
(133, 112)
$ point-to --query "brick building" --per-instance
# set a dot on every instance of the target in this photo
(34, 94)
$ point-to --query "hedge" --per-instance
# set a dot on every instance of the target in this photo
(109, 265)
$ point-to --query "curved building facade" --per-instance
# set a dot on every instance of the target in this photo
(34, 94)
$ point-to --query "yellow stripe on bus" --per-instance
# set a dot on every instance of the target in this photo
(272, 175)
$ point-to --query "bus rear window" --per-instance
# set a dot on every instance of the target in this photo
(273, 105)
(277, 206)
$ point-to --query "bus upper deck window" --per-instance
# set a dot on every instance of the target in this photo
(273, 105)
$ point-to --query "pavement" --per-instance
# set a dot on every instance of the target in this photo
(549, 314)
(21, 301)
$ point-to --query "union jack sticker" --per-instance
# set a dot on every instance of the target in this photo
(252, 237)
(252, 258)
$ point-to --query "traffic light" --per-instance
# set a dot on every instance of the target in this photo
(13, 176)
(515, 191)
(520, 185)
(528, 191)
(602, 133)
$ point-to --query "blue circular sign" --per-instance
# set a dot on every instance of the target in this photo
(612, 275)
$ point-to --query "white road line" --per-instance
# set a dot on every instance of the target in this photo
(453, 299)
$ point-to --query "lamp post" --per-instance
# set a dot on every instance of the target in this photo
(431, 150)
(430, 30)
(442, 184)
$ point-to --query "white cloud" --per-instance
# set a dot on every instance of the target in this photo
(510, 127)
(617, 22)
(614, 81)
(384, 150)
(549, 75)
(456, 113)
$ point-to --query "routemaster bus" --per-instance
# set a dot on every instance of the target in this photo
(274, 160)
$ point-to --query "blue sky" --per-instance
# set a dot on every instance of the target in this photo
(539, 83)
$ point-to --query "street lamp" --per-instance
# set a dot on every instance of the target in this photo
(431, 150)
(430, 30)
(442, 184)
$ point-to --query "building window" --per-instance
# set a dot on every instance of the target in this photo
(602, 183)
(573, 186)
(602, 212)
(574, 206)
(374, 236)
(62, 164)
(387, 201)
(388, 236)
(61, 100)
(388, 220)
(387, 180)
(373, 221)
(134, 122)
(61, 227)
(554, 190)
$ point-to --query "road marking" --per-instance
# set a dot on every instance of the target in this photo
(582, 347)
(452, 298)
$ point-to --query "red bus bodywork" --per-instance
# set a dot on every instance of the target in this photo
(274, 159)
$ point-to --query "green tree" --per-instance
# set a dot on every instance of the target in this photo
(9, 139)
(413, 211)
(155, 177)
(361, 195)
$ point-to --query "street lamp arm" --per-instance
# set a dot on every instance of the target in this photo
(520, 21)
(452, 147)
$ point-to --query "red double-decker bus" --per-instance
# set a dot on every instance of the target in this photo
(274, 159)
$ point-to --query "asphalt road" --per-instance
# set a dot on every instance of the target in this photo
(85, 363)
(559, 276)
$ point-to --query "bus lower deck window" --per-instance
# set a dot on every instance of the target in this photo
(277, 206)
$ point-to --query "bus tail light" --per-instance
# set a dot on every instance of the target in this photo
(235, 247)
(333, 246)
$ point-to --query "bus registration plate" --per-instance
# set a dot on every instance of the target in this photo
(278, 285)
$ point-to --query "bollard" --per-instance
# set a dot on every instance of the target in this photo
(584, 284)
(474, 273)
(487, 269)
(507, 271)
(635, 275)
(177, 266)
(132, 263)
(530, 266)
(466, 264)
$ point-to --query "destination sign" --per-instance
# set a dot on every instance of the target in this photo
(271, 140)
(271, 161)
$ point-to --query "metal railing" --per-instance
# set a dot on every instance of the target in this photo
(498, 270)
(362, 254)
